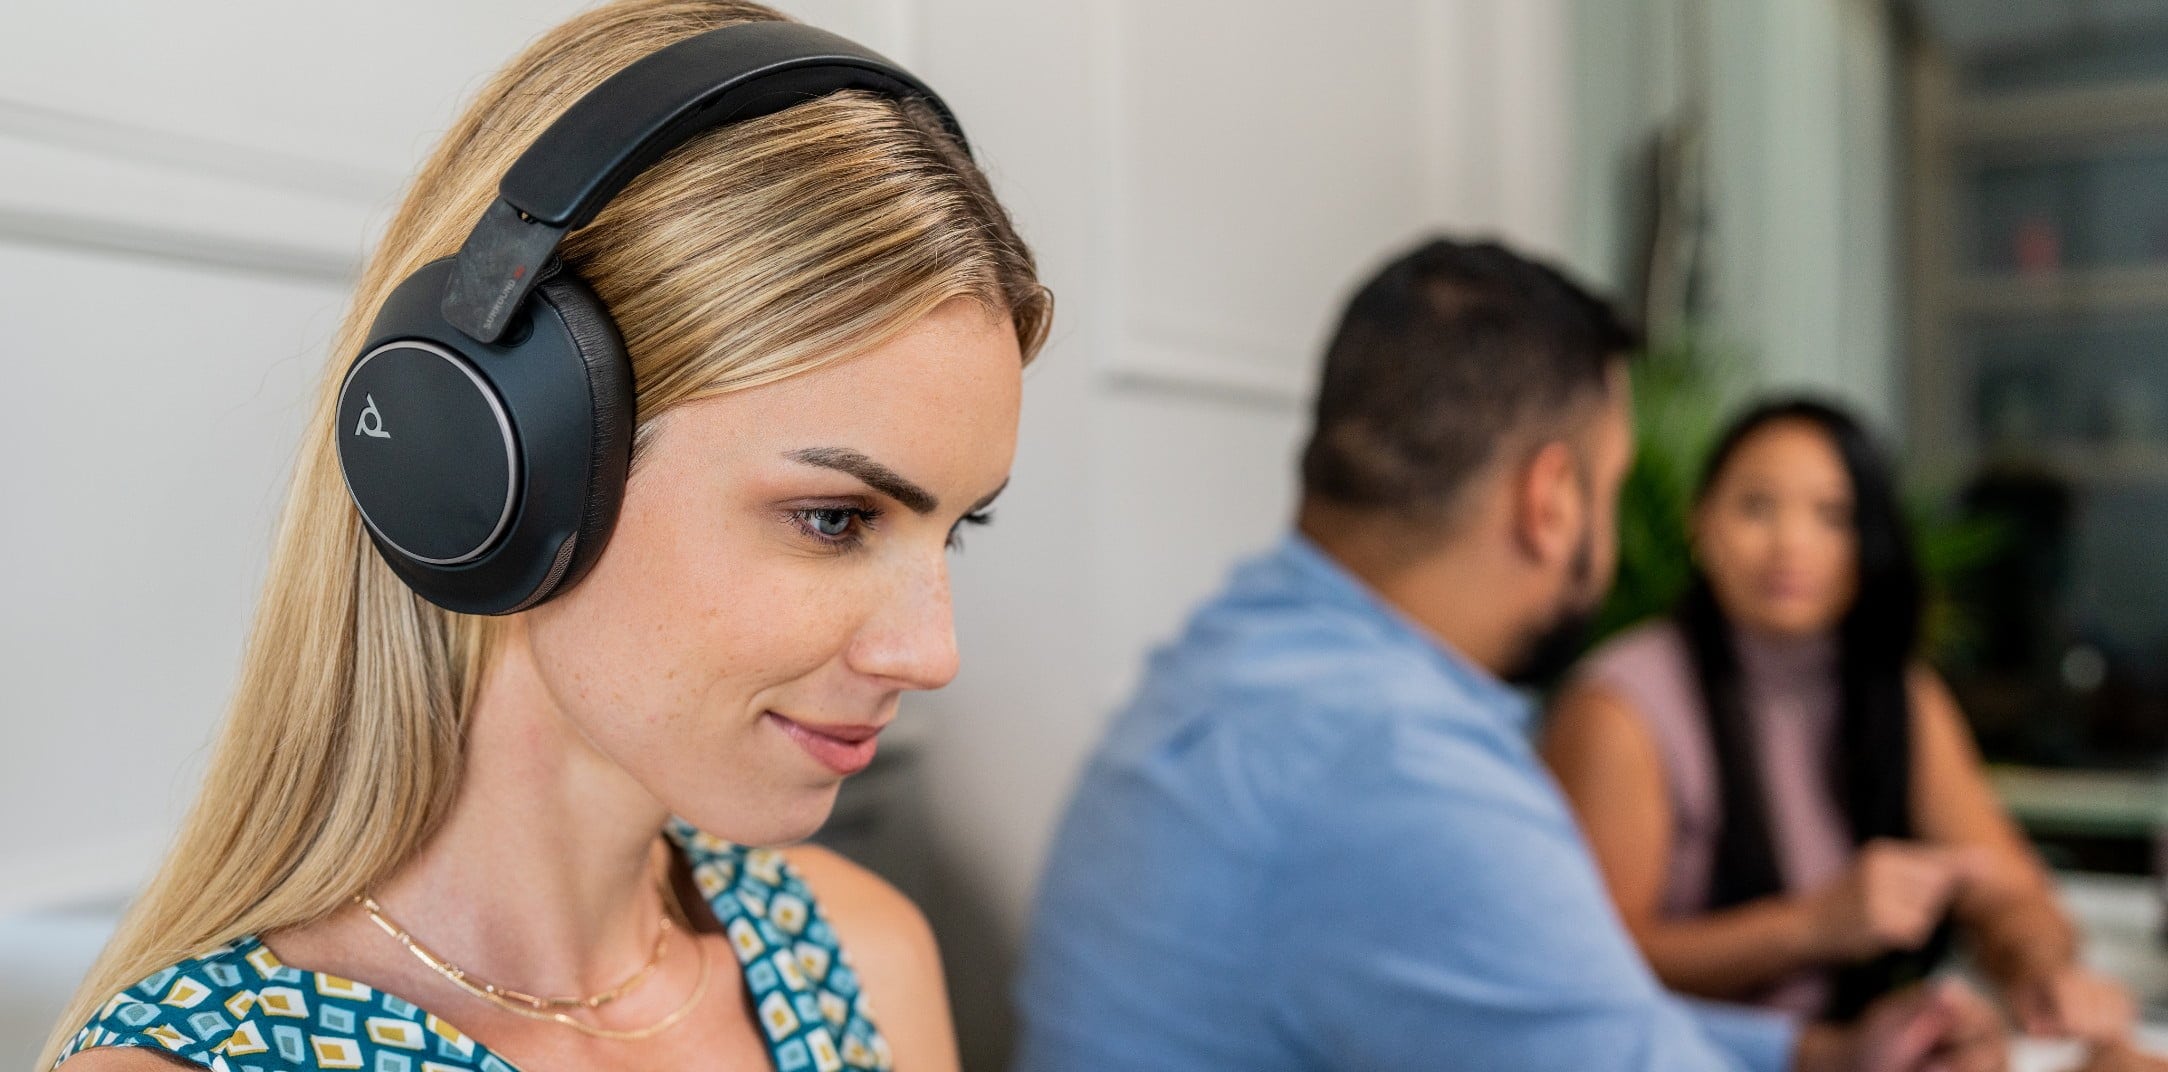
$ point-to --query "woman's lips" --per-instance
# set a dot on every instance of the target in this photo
(844, 749)
(1787, 588)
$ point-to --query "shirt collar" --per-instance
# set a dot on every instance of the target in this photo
(1318, 575)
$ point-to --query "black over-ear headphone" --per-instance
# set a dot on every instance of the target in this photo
(486, 426)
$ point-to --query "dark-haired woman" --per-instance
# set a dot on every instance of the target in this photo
(1785, 803)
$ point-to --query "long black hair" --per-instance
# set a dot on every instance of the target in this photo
(1871, 765)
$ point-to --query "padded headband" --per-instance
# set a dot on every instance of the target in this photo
(633, 119)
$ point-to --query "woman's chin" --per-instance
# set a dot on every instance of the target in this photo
(777, 818)
(1790, 622)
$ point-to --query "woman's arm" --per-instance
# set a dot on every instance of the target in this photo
(2007, 899)
(2026, 942)
(1607, 763)
(892, 948)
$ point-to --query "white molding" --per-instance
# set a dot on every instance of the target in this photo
(1494, 105)
(1175, 370)
(174, 245)
(1201, 363)
(85, 183)
(249, 165)
(101, 869)
(1107, 76)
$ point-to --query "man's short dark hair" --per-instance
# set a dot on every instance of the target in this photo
(1448, 353)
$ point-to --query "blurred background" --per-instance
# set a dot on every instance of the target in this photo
(1951, 214)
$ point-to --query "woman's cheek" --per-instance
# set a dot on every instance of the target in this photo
(780, 624)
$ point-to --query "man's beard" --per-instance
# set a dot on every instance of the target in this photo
(1552, 647)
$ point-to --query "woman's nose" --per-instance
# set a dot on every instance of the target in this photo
(1795, 531)
(910, 640)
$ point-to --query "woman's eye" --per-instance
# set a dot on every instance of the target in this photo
(977, 517)
(842, 526)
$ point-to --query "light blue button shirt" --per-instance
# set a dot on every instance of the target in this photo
(1319, 840)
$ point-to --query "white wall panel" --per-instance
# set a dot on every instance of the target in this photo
(188, 189)
(360, 85)
(1263, 162)
(1266, 156)
(1202, 482)
(153, 416)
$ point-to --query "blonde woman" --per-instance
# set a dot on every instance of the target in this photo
(437, 840)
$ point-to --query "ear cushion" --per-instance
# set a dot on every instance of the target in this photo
(610, 389)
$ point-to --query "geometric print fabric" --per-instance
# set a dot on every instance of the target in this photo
(238, 1009)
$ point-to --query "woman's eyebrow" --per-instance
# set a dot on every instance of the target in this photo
(877, 476)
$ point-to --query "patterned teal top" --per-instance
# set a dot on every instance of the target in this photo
(237, 1009)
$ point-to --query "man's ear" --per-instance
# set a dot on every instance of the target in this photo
(1547, 505)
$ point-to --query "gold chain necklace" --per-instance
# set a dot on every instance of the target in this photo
(662, 934)
(535, 1008)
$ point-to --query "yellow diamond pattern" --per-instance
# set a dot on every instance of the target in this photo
(334, 1052)
(799, 984)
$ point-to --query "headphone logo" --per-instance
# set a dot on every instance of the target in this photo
(372, 422)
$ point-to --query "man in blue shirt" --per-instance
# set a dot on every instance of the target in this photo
(1318, 838)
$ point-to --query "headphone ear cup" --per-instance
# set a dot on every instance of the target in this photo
(610, 388)
(489, 474)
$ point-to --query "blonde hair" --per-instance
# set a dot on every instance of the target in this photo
(753, 253)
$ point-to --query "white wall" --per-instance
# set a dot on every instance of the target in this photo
(1806, 164)
(1626, 63)
(1803, 170)
(188, 187)
(191, 183)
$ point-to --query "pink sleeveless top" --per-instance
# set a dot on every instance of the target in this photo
(1791, 697)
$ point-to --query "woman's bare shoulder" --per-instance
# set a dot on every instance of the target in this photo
(872, 917)
(892, 947)
(124, 1059)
